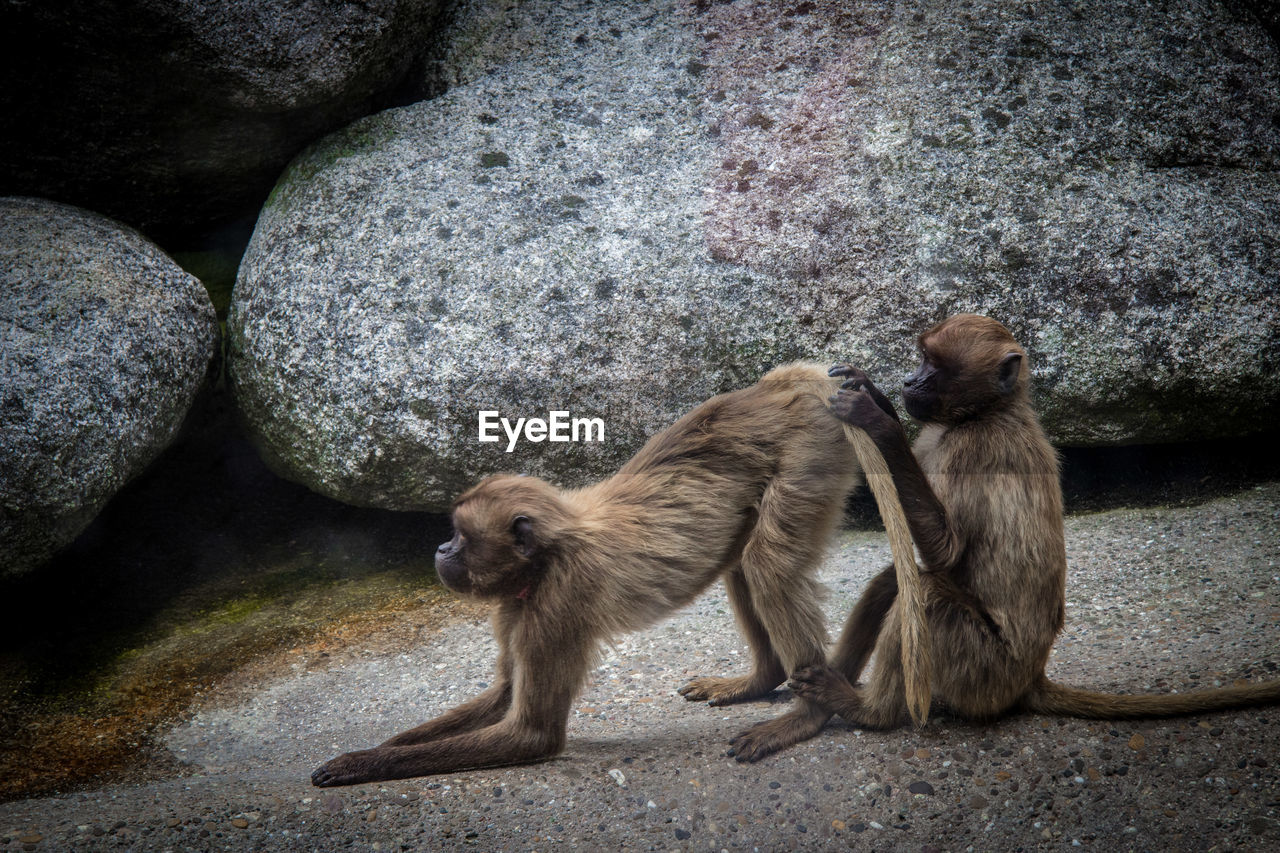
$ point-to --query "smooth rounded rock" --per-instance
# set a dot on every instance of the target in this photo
(531, 242)
(1102, 177)
(104, 342)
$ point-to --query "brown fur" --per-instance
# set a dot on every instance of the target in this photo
(914, 635)
(748, 486)
(985, 508)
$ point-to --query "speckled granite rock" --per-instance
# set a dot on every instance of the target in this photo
(531, 241)
(104, 342)
(1101, 176)
(167, 114)
(656, 201)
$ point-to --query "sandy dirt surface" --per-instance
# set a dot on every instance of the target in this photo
(1158, 599)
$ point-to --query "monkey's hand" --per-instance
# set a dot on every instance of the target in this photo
(856, 378)
(856, 406)
(350, 768)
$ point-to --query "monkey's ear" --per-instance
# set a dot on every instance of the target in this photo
(1010, 367)
(522, 529)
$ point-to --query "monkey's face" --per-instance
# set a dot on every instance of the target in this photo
(969, 365)
(485, 559)
(496, 549)
(451, 563)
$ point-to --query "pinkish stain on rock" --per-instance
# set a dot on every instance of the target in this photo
(784, 78)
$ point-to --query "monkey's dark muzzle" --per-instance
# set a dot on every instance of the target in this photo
(450, 569)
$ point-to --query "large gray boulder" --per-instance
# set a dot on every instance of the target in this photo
(530, 242)
(168, 114)
(104, 342)
(1104, 177)
(658, 202)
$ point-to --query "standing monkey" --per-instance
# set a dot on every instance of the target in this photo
(984, 505)
(749, 486)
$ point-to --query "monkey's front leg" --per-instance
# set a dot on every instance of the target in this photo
(506, 742)
(484, 710)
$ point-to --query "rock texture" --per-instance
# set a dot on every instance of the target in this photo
(657, 201)
(168, 114)
(531, 241)
(104, 342)
(1101, 176)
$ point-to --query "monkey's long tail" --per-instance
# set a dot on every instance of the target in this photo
(916, 659)
(1049, 698)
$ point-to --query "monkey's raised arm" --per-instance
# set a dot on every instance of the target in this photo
(856, 404)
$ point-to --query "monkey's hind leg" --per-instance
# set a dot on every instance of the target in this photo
(767, 671)
(862, 628)
(778, 564)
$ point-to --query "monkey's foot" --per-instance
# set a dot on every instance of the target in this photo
(766, 738)
(726, 691)
(350, 768)
(823, 686)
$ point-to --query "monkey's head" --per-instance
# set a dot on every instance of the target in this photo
(970, 365)
(502, 530)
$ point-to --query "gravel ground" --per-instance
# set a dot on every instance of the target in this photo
(1158, 599)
